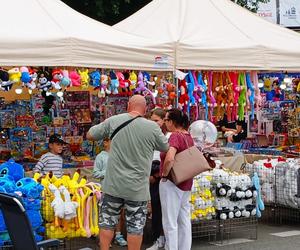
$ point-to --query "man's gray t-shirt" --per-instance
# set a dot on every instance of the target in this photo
(131, 153)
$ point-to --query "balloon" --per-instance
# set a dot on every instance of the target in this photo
(204, 133)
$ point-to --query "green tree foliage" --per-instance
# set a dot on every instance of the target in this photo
(250, 4)
(113, 11)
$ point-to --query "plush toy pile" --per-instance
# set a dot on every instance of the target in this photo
(279, 180)
(237, 195)
(70, 206)
(222, 194)
(12, 181)
(202, 199)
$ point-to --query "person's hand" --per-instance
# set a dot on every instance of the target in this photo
(152, 179)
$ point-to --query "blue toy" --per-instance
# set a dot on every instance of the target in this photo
(203, 89)
(7, 184)
(190, 89)
(95, 77)
(29, 188)
(259, 202)
(114, 83)
(13, 169)
(252, 94)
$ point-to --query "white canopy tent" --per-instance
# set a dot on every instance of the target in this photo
(216, 34)
(49, 33)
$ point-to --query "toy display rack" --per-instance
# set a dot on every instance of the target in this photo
(281, 197)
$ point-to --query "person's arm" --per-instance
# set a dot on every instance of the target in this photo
(169, 161)
(161, 141)
(39, 166)
(99, 167)
(99, 131)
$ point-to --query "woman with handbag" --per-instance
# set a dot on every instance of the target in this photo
(175, 199)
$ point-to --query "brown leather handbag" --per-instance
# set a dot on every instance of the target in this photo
(189, 163)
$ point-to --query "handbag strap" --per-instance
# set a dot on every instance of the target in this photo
(186, 141)
(123, 125)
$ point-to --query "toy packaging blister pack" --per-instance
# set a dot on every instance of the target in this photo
(7, 118)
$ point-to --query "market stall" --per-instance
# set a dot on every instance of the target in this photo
(75, 78)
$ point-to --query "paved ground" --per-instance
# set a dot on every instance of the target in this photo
(265, 240)
(285, 238)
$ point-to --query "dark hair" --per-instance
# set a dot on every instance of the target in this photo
(106, 139)
(159, 112)
(179, 118)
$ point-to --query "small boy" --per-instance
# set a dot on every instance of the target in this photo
(99, 170)
(100, 163)
(51, 161)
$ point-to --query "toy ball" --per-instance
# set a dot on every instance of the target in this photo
(204, 133)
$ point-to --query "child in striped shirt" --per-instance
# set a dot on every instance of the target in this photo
(52, 161)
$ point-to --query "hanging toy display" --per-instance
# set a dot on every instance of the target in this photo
(65, 81)
(230, 96)
(243, 96)
(57, 76)
(14, 75)
(251, 94)
(210, 94)
(44, 83)
(95, 77)
(114, 83)
(5, 83)
(75, 78)
(85, 78)
(236, 91)
(141, 87)
(104, 90)
(133, 80)
(184, 97)
(257, 95)
(203, 89)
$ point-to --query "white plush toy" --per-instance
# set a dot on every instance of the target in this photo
(69, 206)
(57, 204)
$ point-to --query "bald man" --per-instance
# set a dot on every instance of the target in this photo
(126, 183)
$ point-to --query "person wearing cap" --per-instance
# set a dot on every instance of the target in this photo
(51, 161)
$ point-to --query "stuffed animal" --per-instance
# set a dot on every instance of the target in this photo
(133, 79)
(184, 97)
(29, 188)
(124, 83)
(85, 78)
(257, 95)
(25, 76)
(211, 98)
(65, 81)
(14, 75)
(57, 76)
(5, 83)
(203, 90)
(12, 169)
(259, 202)
(104, 86)
(33, 76)
(95, 77)
(44, 82)
(141, 87)
(242, 97)
(236, 91)
(252, 93)
(114, 83)
(230, 97)
(75, 78)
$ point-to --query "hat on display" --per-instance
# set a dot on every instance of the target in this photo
(56, 139)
